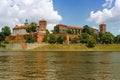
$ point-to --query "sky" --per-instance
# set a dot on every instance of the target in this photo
(69, 12)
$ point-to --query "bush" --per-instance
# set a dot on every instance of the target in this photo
(45, 39)
(30, 39)
(74, 40)
(6, 42)
(52, 39)
(61, 39)
(3, 45)
(91, 42)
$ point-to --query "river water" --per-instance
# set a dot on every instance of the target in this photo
(59, 65)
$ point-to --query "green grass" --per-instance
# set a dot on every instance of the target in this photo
(78, 47)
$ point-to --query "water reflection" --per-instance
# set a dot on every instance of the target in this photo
(59, 66)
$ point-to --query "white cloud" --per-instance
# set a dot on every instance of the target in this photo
(111, 15)
(13, 12)
(108, 3)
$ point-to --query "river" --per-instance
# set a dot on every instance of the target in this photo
(59, 65)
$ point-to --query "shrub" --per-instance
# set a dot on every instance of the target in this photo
(61, 39)
(45, 39)
(30, 39)
(6, 42)
(91, 42)
(52, 39)
(3, 45)
(74, 40)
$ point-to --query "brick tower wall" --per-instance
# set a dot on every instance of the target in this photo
(102, 28)
(42, 25)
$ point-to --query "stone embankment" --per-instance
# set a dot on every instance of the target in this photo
(23, 46)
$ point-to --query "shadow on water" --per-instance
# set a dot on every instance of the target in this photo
(59, 66)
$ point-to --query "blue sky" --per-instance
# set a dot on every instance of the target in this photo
(77, 12)
(69, 12)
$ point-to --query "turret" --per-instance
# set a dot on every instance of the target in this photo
(26, 22)
(102, 28)
(42, 25)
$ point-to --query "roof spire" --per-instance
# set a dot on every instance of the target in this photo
(26, 22)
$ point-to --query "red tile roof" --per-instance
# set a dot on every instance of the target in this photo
(61, 25)
(74, 27)
(19, 27)
(42, 20)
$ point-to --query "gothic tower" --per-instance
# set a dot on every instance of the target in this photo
(102, 28)
(42, 26)
(26, 22)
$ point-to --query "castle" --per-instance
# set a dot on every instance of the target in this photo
(19, 32)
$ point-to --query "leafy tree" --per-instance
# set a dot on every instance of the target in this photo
(88, 30)
(30, 39)
(74, 40)
(117, 39)
(32, 27)
(107, 38)
(91, 42)
(2, 36)
(52, 39)
(84, 37)
(61, 39)
(56, 30)
(45, 39)
(70, 31)
(6, 31)
(47, 32)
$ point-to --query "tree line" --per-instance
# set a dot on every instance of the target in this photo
(87, 36)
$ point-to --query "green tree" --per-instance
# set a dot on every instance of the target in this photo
(45, 39)
(88, 30)
(6, 31)
(70, 31)
(91, 42)
(52, 39)
(47, 32)
(74, 40)
(107, 38)
(117, 39)
(61, 39)
(56, 30)
(32, 27)
(2, 36)
(84, 38)
(30, 39)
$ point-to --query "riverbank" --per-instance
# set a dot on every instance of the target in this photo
(61, 47)
(77, 47)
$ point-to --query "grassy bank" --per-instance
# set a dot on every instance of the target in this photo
(78, 47)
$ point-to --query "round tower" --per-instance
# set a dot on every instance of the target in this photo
(42, 25)
(103, 28)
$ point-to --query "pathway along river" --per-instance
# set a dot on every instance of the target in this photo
(59, 65)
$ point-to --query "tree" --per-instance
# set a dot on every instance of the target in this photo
(52, 39)
(74, 40)
(87, 29)
(30, 39)
(61, 39)
(2, 36)
(45, 39)
(47, 32)
(117, 39)
(70, 31)
(91, 42)
(32, 27)
(84, 38)
(6, 31)
(107, 38)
